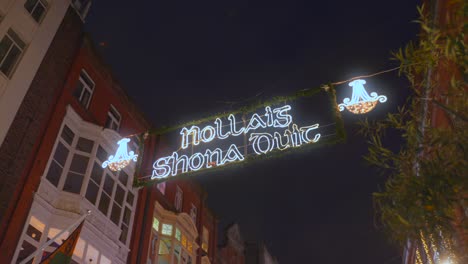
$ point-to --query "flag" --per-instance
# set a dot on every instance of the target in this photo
(63, 254)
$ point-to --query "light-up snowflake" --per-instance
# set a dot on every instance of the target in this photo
(361, 102)
(122, 157)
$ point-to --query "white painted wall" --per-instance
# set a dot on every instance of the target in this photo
(37, 37)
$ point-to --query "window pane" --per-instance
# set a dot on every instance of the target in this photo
(34, 233)
(61, 154)
(165, 251)
(177, 250)
(67, 135)
(123, 235)
(26, 250)
(108, 123)
(53, 175)
(29, 5)
(10, 60)
(85, 98)
(78, 90)
(130, 198)
(101, 154)
(85, 145)
(114, 113)
(177, 234)
(85, 79)
(38, 12)
(123, 178)
(92, 254)
(96, 173)
(79, 163)
(104, 260)
(162, 187)
(108, 184)
(104, 203)
(5, 45)
(119, 195)
(73, 182)
(115, 214)
(155, 224)
(92, 192)
(79, 248)
(167, 229)
(16, 39)
(127, 215)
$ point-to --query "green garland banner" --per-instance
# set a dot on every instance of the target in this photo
(338, 136)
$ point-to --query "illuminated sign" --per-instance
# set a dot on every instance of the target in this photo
(121, 158)
(260, 132)
(361, 102)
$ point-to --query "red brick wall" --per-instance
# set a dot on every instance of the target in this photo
(19, 150)
(58, 74)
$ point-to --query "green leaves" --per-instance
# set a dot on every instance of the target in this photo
(427, 178)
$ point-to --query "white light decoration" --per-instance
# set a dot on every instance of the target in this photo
(261, 143)
(361, 102)
(122, 157)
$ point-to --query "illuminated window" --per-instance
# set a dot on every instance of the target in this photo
(177, 234)
(205, 239)
(92, 254)
(104, 260)
(155, 224)
(193, 213)
(184, 241)
(36, 8)
(167, 229)
(178, 199)
(35, 229)
(190, 247)
(164, 251)
(58, 241)
(113, 119)
(84, 89)
(79, 248)
(11, 48)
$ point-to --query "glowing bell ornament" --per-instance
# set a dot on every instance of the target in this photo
(122, 157)
(361, 102)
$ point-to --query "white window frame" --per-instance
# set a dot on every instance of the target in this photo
(14, 38)
(113, 119)
(161, 187)
(205, 244)
(193, 213)
(128, 188)
(86, 87)
(44, 4)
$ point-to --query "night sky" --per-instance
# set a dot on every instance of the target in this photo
(184, 60)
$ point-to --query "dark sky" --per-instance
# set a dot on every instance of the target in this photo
(182, 60)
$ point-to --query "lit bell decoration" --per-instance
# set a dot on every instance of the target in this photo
(121, 158)
(361, 102)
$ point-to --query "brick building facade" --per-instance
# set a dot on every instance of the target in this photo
(67, 125)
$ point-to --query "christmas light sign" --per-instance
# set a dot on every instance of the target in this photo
(121, 158)
(273, 129)
(361, 102)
